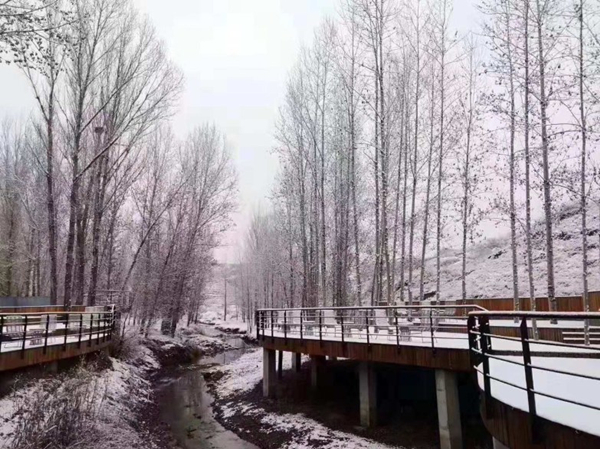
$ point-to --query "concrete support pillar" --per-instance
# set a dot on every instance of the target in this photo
(368, 394)
(52, 367)
(280, 365)
(448, 409)
(296, 361)
(499, 445)
(317, 365)
(269, 373)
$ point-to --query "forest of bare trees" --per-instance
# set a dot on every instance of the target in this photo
(400, 136)
(98, 199)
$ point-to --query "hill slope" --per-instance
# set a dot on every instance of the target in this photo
(489, 264)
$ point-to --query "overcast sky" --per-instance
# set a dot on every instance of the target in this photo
(235, 55)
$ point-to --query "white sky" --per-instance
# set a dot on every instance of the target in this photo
(235, 55)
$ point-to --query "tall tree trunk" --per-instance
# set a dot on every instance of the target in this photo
(97, 225)
(438, 270)
(545, 161)
(413, 211)
(529, 249)
(467, 180)
(50, 197)
(427, 192)
(512, 162)
(583, 119)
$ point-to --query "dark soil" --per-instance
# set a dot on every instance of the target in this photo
(411, 416)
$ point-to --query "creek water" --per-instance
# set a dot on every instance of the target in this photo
(186, 403)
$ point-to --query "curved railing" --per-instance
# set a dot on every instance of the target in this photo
(423, 325)
(555, 376)
(23, 330)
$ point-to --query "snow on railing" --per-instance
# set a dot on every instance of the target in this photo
(555, 376)
(22, 331)
(424, 325)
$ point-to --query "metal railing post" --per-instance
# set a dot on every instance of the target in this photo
(320, 312)
(529, 379)
(484, 329)
(66, 333)
(91, 336)
(257, 323)
(431, 330)
(472, 339)
(285, 326)
(1, 330)
(301, 326)
(46, 334)
(24, 338)
(272, 325)
(80, 329)
(367, 325)
(397, 329)
(98, 331)
(342, 326)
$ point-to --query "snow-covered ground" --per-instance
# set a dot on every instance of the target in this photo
(123, 389)
(120, 389)
(489, 264)
(243, 375)
(212, 309)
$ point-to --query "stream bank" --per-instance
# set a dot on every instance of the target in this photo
(180, 412)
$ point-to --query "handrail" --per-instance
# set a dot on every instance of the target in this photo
(35, 330)
(483, 340)
(54, 313)
(432, 306)
(540, 315)
(420, 324)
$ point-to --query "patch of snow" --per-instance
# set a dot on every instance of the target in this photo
(244, 374)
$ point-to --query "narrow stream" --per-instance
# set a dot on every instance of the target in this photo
(186, 403)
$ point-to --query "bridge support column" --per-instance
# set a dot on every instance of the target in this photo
(269, 373)
(317, 365)
(296, 361)
(448, 409)
(368, 394)
(52, 367)
(280, 365)
(499, 445)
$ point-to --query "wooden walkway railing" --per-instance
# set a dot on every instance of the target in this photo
(558, 381)
(425, 325)
(28, 338)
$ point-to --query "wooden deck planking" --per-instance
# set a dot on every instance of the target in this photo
(21, 359)
(452, 359)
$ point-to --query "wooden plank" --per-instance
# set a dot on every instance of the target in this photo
(13, 360)
(511, 427)
(421, 356)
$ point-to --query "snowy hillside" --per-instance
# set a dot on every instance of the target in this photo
(489, 264)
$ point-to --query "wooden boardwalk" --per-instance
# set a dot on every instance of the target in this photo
(525, 363)
(36, 335)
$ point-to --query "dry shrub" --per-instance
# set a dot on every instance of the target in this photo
(60, 413)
